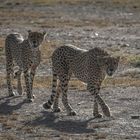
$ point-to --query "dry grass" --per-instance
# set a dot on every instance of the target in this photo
(8, 136)
(46, 82)
(58, 1)
(47, 48)
(8, 122)
(77, 85)
(78, 23)
(134, 60)
(126, 2)
(130, 59)
(2, 57)
(31, 16)
(127, 57)
(2, 45)
(16, 14)
(1, 42)
(121, 82)
(3, 119)
(52, 2)
(112, 2)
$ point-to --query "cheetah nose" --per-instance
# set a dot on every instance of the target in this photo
(111, 69)
(34, 42)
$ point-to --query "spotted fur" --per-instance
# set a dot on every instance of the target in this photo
(89, 66)
(26, 55)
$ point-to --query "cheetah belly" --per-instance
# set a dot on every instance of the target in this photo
(80, 71)
(82, 76)
(18, 59)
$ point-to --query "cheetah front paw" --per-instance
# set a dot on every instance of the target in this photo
(30, 100)
(111, 117)
(98, 115)
(72, 113)
(33, 96)
(20, 92)
(46, 106)
(58, 109)
(12, 94)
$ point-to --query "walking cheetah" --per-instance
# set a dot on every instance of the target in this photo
(26, 55)
(89, 66)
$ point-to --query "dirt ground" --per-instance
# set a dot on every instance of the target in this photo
(110, 24)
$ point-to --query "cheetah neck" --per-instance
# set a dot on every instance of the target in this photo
(33, 53)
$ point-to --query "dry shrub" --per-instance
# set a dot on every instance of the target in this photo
(8, 136)
(121, 82)
(48, 47)
(75, 2)
(1, 46)
(42, 81)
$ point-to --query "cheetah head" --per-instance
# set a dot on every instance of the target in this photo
(111, 65)
(35, 38)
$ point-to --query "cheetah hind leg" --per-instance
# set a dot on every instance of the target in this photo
(32, 75)
(17, 75)
(49, 103)
(104, 106)
(56, 108)
(10, 89)
(64, 88)
(30, 97)
(9, 77)
(95, 111)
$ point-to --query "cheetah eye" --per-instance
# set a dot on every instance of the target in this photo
(31, 36)
(115, 63)
(40, 36)
(111, 69)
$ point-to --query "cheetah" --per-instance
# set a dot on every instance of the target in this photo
(89, 66)
(26, 55)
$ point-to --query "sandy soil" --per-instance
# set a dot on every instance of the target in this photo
(113, 25)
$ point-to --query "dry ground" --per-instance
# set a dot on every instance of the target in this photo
(111, 24)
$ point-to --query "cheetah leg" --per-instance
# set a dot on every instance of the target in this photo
(94, 91)
(19, 87)
(64, 88)
(49, 103)
(32, 75)
(95, 110)
(28, 86)
(10, 89)
(9, 70)
(98, 100)
(103, 105)
(56, 108)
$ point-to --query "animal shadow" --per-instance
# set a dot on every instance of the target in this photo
(50, 120)
(6, 108)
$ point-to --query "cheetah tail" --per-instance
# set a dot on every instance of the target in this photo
(49, 103)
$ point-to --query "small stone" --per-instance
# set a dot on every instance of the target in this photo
(124, 45)
(135, 117)
(96, 34)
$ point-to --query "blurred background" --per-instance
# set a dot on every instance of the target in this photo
(113, 25)
(110, 24)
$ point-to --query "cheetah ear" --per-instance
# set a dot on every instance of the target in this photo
(102, 60)
(106, 60)
(44, 33)
(118, 58)
(29, 31)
